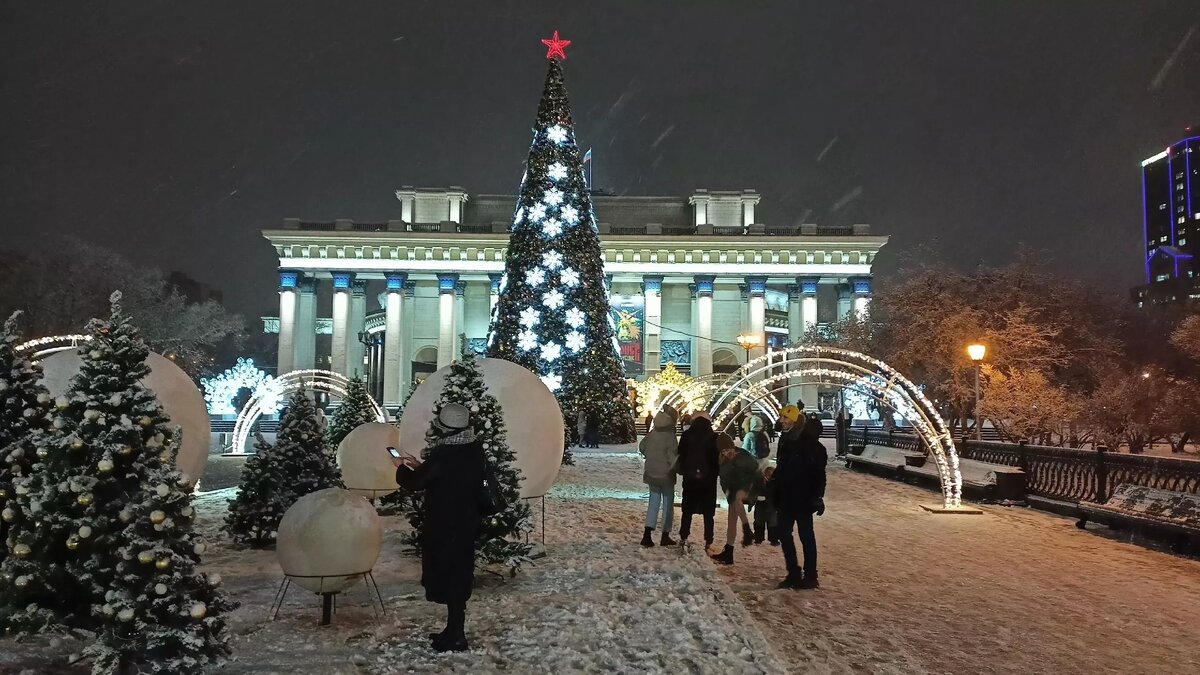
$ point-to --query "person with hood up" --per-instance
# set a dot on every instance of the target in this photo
(799, 493)
(739, 471)
(756, 442)
(661, 450)
(698, 466)
(452, 478)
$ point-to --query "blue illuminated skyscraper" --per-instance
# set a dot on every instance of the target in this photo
(1171, 223)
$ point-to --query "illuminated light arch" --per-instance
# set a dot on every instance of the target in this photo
(845, 368)
(289, 383)
(220, 391)
(45, 346)
(703, 387)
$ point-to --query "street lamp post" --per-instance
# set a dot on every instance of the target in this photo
(977, 352)
(749, 341)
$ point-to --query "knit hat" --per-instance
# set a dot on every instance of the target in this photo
(790, 413)
(452, 419)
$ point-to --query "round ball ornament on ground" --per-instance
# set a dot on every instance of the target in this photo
(179, 396)
(532, 418)
(328, 539)
(367, 468)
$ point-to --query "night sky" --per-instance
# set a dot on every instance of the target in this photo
(176, 131)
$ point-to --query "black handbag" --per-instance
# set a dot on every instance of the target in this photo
(491, 499)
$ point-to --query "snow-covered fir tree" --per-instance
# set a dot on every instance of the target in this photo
(553, 314)
(500, 539)
(24, 408)
(110, 546)
(301, 461)
(354, 410)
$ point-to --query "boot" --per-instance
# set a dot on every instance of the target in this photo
(792, 581)
(747, 535)
(810, 581)
(760, 530)
(666, 540)
(647, 539)
(456, 643)
(773, 535)
(724, 557)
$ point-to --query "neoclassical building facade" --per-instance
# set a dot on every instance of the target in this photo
(389, 300)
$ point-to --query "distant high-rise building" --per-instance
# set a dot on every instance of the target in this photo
(1171, 221)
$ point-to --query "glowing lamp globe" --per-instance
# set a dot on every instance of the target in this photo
(367, 468)
(176, 392)
(976, 351)
(328, 540)
(532, 419)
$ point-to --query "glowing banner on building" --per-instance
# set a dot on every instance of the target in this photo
(629, 315)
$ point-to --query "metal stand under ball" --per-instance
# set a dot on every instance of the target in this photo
(328, 600)
(543, 523)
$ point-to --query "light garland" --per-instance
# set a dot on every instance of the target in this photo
(220, 391)
(652, 391)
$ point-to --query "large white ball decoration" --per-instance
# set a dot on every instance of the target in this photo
(177, 393)
(367, 468)
(328, 539)
(532, 418)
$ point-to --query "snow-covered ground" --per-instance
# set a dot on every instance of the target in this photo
(903, 591)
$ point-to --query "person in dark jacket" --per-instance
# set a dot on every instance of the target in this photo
(739, 470)
(591, 430)
(698, 467)
(799, 493)
(452, 478)
(764, 508)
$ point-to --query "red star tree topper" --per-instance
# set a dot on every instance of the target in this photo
(555, 47)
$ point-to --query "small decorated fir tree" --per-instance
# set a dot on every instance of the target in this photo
(24, 407)
(355, 409)
(499, 541)
(300, 462)
(111, 547)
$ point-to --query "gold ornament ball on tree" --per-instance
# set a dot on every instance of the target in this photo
(162, 564)
(145, 421)
(84, 499)
(157, 517)
(125, 450)
(8, 515)
(199, 611)
(42, 452)
(76, 444)
(72, 543)
(22, 581)
(104, 465)
(21, 550)
(145, 557)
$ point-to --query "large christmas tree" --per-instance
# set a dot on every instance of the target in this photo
(553, 312)
(107, 542)
(354, 410)
(499, 540)
(299, 462)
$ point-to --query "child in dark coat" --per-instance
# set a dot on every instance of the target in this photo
(764, 508)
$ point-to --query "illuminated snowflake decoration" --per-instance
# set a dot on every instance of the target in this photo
(553, 299)
(575, 317)
(537, 213)
(220, 391)
(569, 278)
(530, 317)
(527, 341)
(552, 228)
(552, 197)
(570, 214)
(557, 171)
(575, 341)
(535, 276)
(557, 133)
(552, 381)
(551, 351)
(552, 260)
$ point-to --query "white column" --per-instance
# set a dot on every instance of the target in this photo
(355, 349)
(756, 319)
(862, 295)
(446, 284)
(306, 326)
(460, 318)
(341, 322)
(808, 303)
(288, 297)
(393, 341)
(795, 315)
(703, 359)
(652, 299)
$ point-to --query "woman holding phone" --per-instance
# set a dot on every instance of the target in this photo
(451, 477)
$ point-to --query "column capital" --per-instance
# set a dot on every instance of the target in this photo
(861, 286)
(447, 282)
(307, 285)
(359, 287)
(342, 280)
(652, 283)
(807, 285)
(395, 281)
(410, 289)
(494, 278)
(703, 286)
(460, 289)
(756, 286)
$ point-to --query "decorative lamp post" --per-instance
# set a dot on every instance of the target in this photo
(977, 352)
(749, 341)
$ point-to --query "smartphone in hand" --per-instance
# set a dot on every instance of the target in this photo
(393, 452)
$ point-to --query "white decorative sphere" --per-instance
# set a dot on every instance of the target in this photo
(327, 539)
(532, 419)
(367, 468)
(177, 393)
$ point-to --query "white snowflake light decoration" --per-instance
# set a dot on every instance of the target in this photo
(551, 350)
(552, 197)
(530, 317)
(553, 299)
(527, 341)
(537, 213)
(570, 214)
(552, 381)
(552, 227)
(575, 341)
(575, 317)
(557, 134)
(557, 171)
(552, 260)
(569, 278)
(535, 276)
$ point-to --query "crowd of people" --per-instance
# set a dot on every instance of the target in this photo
(783, 489)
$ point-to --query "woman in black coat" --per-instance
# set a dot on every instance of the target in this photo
(698, 466)
(451, 477)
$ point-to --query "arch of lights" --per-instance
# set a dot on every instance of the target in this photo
(845, 368)
(289, 383)
(703, 387)
(45, 346)
(220, 391)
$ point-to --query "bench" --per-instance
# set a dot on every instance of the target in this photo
(879, 459)
(1150, 510)
(981, 480)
